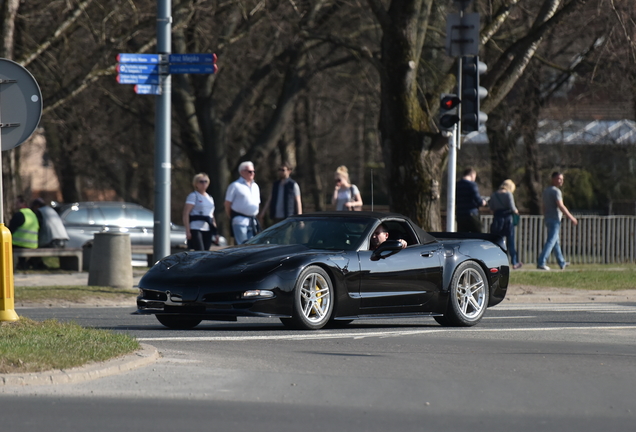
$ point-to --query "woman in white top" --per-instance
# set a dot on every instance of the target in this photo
(345, 196)
(198, 215)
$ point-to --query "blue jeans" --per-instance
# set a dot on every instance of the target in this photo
(242, 233)
(512, 251)
(552, 243)
(502, 225)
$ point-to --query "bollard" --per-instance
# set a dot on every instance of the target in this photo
(7, 312)
(111, 259)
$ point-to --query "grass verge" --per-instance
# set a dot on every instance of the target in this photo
(31, 346)
(71, 294)
(585, 277)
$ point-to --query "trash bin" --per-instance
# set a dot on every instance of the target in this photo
(86, 255)
(111, 259)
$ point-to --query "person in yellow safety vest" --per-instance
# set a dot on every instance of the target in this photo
(24, 229)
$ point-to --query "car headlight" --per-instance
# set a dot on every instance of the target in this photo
(258, 293)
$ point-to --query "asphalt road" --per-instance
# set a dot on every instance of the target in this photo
(524, 368)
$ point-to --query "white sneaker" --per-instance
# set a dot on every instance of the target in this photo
(565, 264)
(543, 267)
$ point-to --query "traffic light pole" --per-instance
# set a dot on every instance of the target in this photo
(450, 188)
(453, 146)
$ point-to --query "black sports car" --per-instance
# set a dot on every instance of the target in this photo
(316, 269)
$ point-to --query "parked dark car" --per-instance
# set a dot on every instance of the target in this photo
(83, 219)
(314, 269)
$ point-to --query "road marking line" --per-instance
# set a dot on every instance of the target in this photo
(361, 335)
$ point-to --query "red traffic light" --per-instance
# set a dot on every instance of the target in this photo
(449, 102)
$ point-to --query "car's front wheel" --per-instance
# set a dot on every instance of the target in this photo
(178, 322)
(468, 297)
(313, 300)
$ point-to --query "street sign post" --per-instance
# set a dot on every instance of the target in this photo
(135, 68)
(139, 58)
(148, 69)
(192, 68)
(151, 74)
(192, 58)
(148, 89)
(20, 112)
(20, 104)
(462, 34)
(138, 79)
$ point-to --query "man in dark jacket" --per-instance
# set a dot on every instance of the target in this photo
(467, 203)
(284, 200)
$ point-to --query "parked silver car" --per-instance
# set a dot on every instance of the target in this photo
(83, 219)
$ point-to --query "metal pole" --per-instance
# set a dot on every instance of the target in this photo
(453, 145)
(450, 188)
(161, 242)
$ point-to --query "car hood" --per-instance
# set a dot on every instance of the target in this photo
(198, 267)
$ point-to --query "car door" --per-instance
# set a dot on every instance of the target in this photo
(403, 281)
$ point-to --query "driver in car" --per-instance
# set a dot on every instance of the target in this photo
(380, 235)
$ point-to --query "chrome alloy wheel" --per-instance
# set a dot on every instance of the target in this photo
(471, 293)
(315, 298)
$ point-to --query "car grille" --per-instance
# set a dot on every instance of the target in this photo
(221, 297)
(154, 295)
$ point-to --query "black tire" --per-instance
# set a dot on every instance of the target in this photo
(313, 300)
(178, 322)
(468, 296)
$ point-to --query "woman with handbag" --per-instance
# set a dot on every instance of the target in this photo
(345, 195)
(198, 215)
(502, 203)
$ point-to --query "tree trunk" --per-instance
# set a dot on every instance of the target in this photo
(502, 143)
(529, 125)
(414, 156)
(312, 158)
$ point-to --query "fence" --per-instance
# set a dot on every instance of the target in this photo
(596, 239)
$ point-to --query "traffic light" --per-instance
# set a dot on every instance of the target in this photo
(472, 93)
(448, 112)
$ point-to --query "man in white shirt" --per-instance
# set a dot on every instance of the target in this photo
(242, 201)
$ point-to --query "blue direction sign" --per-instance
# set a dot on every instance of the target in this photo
(148, 89)
(137, 79)
(192, 69)
(192, 58)
(139, 58)
(134, 68)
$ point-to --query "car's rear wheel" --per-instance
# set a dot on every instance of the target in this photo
(313, 300)
(178, 322)
(468, 297)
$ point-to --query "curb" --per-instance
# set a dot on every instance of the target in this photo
(143, 357)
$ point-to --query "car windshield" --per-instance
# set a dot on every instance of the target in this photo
(319, 233)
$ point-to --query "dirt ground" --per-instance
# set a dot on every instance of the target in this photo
(533, 294)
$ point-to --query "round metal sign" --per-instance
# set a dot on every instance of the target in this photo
(20, 104)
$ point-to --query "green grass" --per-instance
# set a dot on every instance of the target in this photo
(584, 276)
(72, 294)
(31, 346)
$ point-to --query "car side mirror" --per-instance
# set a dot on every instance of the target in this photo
(386, 249)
